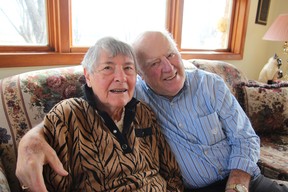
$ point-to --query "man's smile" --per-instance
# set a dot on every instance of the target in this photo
(170, 77)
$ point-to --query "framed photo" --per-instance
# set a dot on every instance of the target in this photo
(262, 12)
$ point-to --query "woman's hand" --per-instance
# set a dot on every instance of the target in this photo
(33, 153)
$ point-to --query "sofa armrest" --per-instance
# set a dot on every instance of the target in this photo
(4, 186)
(265, 105)
(267, 108)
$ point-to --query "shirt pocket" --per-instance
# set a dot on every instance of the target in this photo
(143, 132)
(210, 130)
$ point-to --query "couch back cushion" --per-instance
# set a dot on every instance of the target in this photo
(231, 75)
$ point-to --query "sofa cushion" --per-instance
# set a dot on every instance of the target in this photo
(266, 105)
(273, 161)
(231, 75)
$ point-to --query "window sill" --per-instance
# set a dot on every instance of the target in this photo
(212, 55)
(53, 59)
(39, 59)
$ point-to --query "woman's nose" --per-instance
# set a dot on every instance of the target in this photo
(119, 75)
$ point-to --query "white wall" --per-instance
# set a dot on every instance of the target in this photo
(256, 52)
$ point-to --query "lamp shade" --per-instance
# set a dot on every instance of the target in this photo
(278, 31)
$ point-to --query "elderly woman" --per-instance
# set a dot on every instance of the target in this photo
(108, 140)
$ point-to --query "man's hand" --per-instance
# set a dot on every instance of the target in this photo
(238, 177)
(33, 153)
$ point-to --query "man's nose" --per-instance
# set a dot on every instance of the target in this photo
(167, 66)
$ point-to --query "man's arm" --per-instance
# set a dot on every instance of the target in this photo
(169, 168)
(238, 177)
(245, 144)
(33, 153)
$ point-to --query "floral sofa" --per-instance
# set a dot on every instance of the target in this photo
(27, 97)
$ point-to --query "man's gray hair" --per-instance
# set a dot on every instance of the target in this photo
(136, 44)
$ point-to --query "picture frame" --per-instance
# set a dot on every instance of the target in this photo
(262, 12)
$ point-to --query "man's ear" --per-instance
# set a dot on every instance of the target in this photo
(87, 77)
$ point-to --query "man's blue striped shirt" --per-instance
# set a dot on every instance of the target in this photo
(206, 129)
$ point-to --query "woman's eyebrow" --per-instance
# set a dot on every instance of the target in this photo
(106, 62)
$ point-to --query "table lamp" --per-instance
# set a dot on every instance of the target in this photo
(278, 31)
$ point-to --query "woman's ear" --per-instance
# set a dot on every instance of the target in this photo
(87, 77)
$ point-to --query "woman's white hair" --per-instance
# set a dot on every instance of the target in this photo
(109, 44)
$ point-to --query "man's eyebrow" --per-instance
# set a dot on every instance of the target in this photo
(152, 60)
(171, 50)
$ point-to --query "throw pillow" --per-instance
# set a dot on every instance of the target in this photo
(265, 105)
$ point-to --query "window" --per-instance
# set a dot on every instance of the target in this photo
(93, 19)
(25, 23)
(211, 32)
(58, 32)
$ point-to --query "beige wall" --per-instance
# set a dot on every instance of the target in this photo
(256, 53)
(5, 72)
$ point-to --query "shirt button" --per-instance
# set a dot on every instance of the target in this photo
(214, 131)
(180, 125)
(206, 152)
(124, 146)
(220, 171)
(114, 131)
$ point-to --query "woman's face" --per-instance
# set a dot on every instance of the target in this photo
(113, 81)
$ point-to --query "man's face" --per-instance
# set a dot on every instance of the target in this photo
(163, 69)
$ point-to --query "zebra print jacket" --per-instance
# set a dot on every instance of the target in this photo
(99, 157)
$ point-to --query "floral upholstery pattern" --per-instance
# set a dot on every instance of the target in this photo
(274, 155)
(4, 185)
(24, 101)
(267, 108)
(27, 97)
(227, 71)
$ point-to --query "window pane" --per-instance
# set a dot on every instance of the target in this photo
(93, 19)
(23, 22)
(206, 24)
